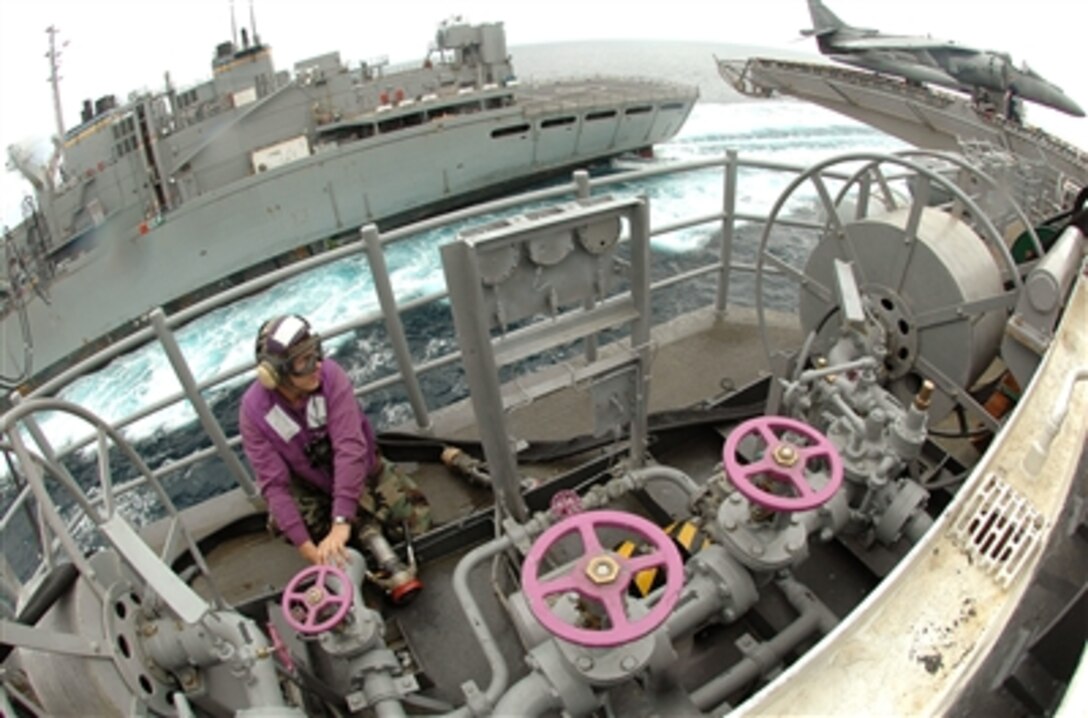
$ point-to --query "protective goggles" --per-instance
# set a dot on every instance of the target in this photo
(304, 359)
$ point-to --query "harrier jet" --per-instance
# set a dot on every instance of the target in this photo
(923, 59)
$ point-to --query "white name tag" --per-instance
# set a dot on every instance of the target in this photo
(283, 424)
(317, 414)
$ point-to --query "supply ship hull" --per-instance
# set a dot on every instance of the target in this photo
(174, 195)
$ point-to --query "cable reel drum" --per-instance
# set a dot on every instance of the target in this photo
(927, 295)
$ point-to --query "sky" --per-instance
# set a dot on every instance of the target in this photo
(116, 46)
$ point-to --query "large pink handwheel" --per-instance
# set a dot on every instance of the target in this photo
(785, 460)
(602, 576)
(313, 605)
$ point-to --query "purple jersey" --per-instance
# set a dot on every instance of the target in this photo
(275, 436)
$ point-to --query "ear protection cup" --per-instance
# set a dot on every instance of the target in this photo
(267, 374)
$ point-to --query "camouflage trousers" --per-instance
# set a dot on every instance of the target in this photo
(390, 499)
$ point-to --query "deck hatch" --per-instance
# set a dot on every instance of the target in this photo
(999, 529)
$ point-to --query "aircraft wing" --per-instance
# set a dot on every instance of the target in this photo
(901, 43)
(908, 70)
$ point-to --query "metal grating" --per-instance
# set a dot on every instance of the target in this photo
(999, 529)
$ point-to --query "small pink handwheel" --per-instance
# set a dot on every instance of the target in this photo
(565, 502)
(784, 459)
(312, 604)
(602, 576)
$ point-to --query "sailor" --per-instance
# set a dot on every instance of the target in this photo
(314, 450)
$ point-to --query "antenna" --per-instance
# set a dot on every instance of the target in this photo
(253, 25)
(233, 26)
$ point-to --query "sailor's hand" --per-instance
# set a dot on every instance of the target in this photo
(309, 552)
(332, 549)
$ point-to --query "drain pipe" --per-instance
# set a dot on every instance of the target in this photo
(1040, 446)
(814, 617)
(479, 705)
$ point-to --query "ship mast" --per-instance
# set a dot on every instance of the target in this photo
(253, 24)
(233, 27)
(54, 81)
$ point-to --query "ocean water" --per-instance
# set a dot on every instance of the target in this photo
(780, 130)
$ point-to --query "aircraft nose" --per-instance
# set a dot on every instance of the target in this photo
(1074, 109)
(1066, 104)
(1061, 101)
(1046, 94)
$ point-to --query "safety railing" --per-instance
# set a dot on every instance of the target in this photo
(162, 328)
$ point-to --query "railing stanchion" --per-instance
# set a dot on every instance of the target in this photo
(729, 208)
(581, 191)
(393, 325)
(203, 412)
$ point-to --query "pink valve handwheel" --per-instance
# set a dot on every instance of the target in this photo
(783, 460)
(602, 576)
(310, 594)
(565, 503)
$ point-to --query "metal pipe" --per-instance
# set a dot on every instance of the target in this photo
(668, 474)
(1040, 445)
(532, 696)
(382, 695)
(802, 599)
(500, 672)
(379, 272)
(814, 374)
(757, 662)
(814, 616)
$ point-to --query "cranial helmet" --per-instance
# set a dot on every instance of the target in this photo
(279, 341)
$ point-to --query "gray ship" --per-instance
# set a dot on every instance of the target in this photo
(147, 203)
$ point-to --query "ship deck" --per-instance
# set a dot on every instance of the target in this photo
(697, 356)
